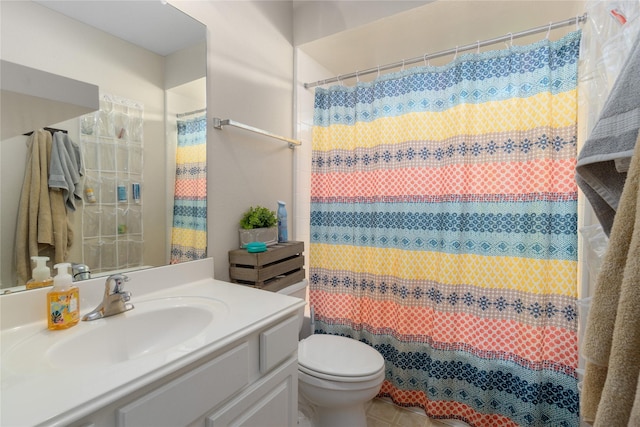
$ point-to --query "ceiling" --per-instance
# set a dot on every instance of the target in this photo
(140, 23)
(434, 27)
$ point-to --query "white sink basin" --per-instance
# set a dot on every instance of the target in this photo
(163, 326)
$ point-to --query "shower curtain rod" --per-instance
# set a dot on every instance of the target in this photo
(219, 123)
(457, 49)
(202, 110)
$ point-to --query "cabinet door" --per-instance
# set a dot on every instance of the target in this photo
(186, 398)
(271, 402)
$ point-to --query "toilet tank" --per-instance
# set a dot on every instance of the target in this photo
(299, 290)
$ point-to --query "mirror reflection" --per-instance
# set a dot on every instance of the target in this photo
(142, 153)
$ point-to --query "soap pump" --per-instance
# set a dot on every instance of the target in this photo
(63, 302)
(41, 275)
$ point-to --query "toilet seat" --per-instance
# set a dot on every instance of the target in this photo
(341, 359)
(339, 379)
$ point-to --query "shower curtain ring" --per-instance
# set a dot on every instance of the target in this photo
(510, 44)
(478, 51)
(577, 22)
(378, 76)
(357, 77)
(402, 69)
(456, 55)
(549, 30)
(426, 61)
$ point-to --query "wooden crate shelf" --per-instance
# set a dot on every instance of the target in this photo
(279, 266)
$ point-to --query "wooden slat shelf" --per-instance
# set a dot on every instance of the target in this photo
(279, 266)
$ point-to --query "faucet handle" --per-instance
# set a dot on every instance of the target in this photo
(80, 271)
(126, 296)
(118, 280)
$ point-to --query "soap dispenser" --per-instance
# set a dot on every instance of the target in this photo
(63, 302)
(41, 275)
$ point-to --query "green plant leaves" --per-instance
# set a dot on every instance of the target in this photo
(258, 217)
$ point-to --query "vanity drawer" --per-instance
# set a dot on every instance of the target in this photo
(278, 343)
(184, 399)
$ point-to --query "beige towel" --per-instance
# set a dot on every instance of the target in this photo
(612, 337)
(43, 227)
(634, 420)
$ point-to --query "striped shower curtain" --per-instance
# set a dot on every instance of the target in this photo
(444, 232)
(189, 233)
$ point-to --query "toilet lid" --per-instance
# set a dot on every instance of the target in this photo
(338, 356)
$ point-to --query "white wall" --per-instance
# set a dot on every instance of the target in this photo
(440, 25)
(307, 69)
(249, 79)
(313, 20)
(37, 37)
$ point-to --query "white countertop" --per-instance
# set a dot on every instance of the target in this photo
(46, 396)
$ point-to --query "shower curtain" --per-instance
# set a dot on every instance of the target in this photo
(189, 233)
(444, 232)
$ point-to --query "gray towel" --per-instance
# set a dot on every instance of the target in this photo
(603, 161)
(66, 168)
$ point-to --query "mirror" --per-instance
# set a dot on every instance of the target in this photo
(125, 49)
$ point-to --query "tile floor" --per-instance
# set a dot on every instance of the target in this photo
(381, 413)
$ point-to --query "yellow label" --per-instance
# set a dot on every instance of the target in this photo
(63, 309)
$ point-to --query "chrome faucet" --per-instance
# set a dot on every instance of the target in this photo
(114, 301)
(80, 272)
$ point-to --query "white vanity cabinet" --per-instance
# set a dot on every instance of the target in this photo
(195, 351)
(252, 381)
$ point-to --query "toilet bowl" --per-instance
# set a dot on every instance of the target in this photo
(336, 375)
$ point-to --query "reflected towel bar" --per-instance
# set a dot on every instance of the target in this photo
(219, 123)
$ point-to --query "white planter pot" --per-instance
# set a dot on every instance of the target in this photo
(265, 235)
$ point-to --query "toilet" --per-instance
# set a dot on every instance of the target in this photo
(336, 375)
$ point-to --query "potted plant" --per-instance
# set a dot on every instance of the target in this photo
(258, 224)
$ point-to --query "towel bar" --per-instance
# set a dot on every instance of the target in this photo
(219, 123)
